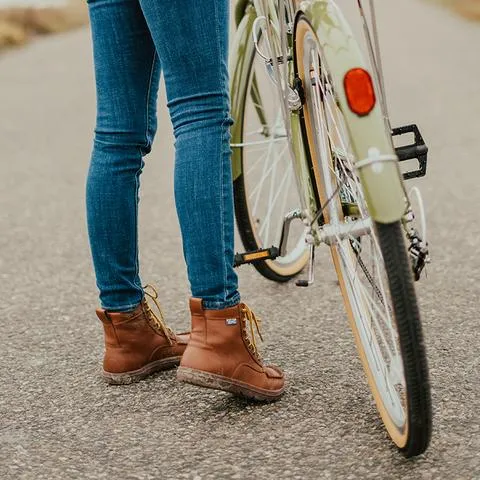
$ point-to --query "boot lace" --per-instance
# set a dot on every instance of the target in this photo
(253, 322)
(156, 322)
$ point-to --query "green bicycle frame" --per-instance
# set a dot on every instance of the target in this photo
(372, 145)
(242, 53)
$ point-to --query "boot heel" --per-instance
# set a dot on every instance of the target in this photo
(126, 378)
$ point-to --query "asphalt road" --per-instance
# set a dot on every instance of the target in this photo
(58, 420)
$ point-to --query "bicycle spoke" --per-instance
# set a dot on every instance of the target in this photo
(360, 259)
(265, 174)
(272, 203)
(375, 308)
(257, 161)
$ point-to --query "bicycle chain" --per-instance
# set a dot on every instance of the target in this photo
(370, 280)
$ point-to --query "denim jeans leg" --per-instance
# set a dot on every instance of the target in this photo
(127, 72)
(191, 38)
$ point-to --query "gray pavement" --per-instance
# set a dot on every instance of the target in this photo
(58, 420)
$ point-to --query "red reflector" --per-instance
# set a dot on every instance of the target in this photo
(359, 90)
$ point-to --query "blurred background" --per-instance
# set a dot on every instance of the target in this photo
(22, 19)
(57, 418)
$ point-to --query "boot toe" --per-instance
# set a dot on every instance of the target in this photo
(273, 372)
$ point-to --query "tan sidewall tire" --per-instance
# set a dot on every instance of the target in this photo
(399, 437)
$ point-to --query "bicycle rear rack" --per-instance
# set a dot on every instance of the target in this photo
(417, 150)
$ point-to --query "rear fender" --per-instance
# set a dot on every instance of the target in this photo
(382, 180)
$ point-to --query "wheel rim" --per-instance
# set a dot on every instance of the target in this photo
(267, 168)
(359, 264)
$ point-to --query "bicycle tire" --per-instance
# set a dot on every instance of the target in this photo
(270, 269)
(407, 316)
(413, 435)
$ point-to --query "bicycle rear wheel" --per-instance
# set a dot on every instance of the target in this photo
(264, 187)
(374, 270)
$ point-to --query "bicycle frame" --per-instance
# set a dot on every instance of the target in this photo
(243, 47)
(377, 161)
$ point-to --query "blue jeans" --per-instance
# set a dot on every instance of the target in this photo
(133, 40)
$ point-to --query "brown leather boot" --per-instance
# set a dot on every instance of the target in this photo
(222, 354)
(137, 344)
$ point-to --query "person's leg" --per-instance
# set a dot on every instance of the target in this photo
(127, 72)
(137, 341)
(191, 38)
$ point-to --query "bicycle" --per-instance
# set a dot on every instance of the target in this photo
(321, 120)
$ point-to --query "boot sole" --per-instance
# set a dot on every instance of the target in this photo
(217, 382)
(125, 378)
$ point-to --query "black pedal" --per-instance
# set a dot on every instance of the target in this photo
(256, 256)
(413, 151)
